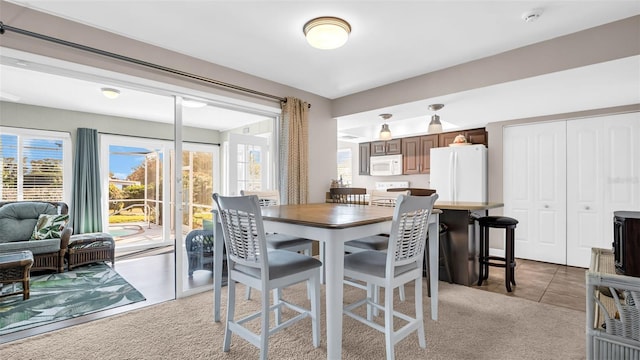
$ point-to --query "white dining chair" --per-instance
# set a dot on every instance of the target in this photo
(279, 241)
(401, 264)
(250, 263)
(376, 242)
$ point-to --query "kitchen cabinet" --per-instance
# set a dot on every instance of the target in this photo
(473, 136)
(364, 154)
(389, 147)
(416, 151)
(563, 180)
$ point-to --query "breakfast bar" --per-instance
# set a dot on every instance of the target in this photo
(463, 246)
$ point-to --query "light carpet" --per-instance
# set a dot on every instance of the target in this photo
(472, 324)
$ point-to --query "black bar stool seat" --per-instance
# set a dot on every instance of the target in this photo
(508, 261)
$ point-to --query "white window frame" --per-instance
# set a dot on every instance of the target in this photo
(67, 157)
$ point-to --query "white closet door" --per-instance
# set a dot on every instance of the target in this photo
(603, 173)
(585, 228)
(535, 189)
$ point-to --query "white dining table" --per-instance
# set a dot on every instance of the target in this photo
(333, 225)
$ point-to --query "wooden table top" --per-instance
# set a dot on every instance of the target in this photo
(328, 215)
(466, 205)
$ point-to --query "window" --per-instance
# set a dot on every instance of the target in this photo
(345, 166)
(36, 165)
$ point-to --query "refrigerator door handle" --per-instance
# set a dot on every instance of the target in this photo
(452, 174)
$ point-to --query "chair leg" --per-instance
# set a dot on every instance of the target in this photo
(277, 296)
(231, 305)
(508, 259)
(445, 257)
(247, 295)
(419, 312)
(264, 334)
(314, 286)
(388, 322)
(401, 290)
(322, 270)
(308, 253)
(372, 291)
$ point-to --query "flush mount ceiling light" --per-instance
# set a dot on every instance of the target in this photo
(326, 32)
(385, 133)
(435, 126)
(110, 93)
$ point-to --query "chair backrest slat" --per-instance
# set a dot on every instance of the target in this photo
(243, 231)
(265, 198)
(356, 196)
(409, 229)
(384, 198)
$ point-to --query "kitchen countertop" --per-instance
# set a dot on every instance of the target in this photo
(466, 205)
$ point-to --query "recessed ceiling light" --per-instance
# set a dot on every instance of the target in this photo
(193, 103)
(110, 93)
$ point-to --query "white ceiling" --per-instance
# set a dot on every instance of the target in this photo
(390, 41)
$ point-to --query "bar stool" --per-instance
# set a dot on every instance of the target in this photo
(508, 262)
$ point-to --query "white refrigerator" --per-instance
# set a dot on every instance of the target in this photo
(459, 173)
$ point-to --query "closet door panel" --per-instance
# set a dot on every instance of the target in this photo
(535, 189)
(584, 189)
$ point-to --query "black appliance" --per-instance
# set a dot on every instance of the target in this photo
(626, 242)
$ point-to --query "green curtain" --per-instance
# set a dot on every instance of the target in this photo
(86, 210)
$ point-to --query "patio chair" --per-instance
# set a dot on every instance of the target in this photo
(249, 262)
(401, 264)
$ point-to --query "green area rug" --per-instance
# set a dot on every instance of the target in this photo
(55, 297)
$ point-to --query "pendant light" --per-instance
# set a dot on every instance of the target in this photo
(385, 133)
(435, 126)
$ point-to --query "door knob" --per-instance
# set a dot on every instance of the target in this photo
(546, 206)
(587, 208)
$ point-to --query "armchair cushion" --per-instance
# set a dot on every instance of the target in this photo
(18, 219)
(49, 226)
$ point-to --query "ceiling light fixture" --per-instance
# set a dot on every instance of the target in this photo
(385, 133)
(110, 93)
(326, 32)
(435, 126)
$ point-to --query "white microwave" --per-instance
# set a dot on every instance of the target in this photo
(385, 165)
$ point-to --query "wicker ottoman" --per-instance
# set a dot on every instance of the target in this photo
(89, 248)
(15, 267)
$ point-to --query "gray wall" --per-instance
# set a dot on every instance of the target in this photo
(322, 127)
(44, 118)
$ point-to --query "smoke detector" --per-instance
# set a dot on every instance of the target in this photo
(532, 15)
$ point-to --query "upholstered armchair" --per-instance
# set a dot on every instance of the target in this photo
(48, 243)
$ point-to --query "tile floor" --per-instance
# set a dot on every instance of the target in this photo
(542, 282)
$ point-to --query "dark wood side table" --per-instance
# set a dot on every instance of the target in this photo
(15, 267)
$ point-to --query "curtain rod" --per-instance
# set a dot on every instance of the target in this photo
(4, 27)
